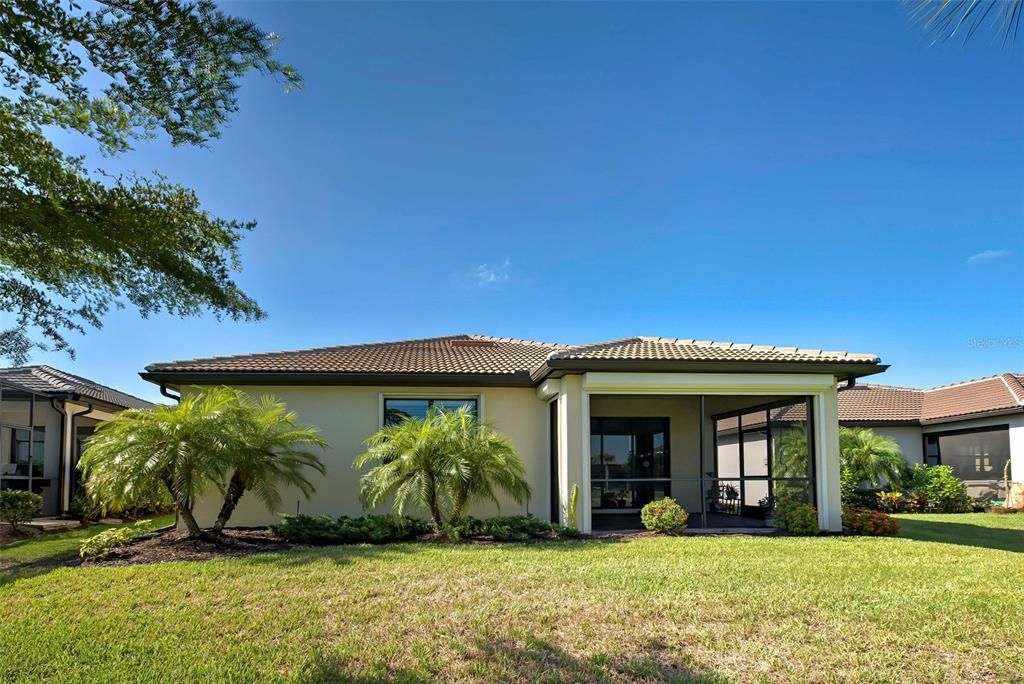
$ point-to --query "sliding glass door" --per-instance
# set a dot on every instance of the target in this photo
(629, 463)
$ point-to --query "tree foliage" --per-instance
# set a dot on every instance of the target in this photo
(180, 449)
(868, 457)
(74, 241)
(442, 464)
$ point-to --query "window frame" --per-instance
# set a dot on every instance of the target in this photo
(430, 398)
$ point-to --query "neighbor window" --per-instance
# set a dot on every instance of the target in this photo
(972, 454)
(398, 410)
(20, 450)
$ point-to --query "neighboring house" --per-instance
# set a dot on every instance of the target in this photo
(976, 426)
(625, 421)
(45, 414)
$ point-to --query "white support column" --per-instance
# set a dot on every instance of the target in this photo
(826, 421)
(574, 449)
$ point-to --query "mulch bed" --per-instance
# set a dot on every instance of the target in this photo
(9, 535)
(170, 546)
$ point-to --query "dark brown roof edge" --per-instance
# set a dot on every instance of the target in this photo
(960, 417)
(179, 378)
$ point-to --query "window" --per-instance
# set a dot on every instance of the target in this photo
(980, 454)
(398, 410)
(20, 450)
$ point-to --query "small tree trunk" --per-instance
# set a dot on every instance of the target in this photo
(190, 522)
(235, 490)
(435, 509)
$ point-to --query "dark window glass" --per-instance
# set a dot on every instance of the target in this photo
(20, 450)
(628, 449)
(398, 410)
(931, 450)
(978, 455)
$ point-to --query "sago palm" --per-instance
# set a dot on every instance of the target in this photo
(268, 449)
(440, 463)
(182, 449)
(868, 457)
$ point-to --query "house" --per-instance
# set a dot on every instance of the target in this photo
(975, 426)
(45, 414)
(624, 421)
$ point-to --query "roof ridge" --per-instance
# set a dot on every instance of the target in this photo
(590, 346)
(962, 382)
(872, 385)
(439, 338)
(516, 340)
(1014, 385)
(739, 346)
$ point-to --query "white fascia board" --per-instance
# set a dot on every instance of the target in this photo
(707, 383)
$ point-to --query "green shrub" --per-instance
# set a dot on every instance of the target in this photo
(796, 517)
(937, 490)
(874, 523)
(509, 528)
(18, 507)
(664, 515)
(85, 508)
(369, 529)
(113, 538)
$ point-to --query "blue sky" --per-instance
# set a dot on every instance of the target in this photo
(812, 174)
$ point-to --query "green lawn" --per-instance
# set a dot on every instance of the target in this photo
(18, 559)
(945, 605)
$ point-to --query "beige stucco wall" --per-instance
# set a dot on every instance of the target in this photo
(348, 415)
(908, 438)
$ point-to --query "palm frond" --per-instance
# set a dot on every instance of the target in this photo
(951, 19)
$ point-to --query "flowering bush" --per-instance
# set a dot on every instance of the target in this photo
(876, 523)
(796, 518)
(664, 515)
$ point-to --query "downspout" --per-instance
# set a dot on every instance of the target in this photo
(177, 398)
(60, 468)
(66, 501)
(164, 391)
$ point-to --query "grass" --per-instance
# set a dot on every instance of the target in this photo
(933, 606)
(25, 557)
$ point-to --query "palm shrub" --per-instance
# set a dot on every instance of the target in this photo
(268, 448)
(179, 451)
(865, 457)
(440, 463)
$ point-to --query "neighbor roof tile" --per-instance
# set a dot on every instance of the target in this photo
(46, 380)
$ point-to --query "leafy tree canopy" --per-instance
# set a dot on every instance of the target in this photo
(75, 241)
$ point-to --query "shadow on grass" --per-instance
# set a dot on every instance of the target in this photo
(501, 658)
(962, 534)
